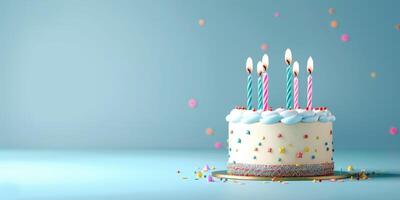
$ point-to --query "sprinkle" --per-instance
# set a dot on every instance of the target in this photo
(184, 178)
(209, 131)
(264, 47)
(218, 145)
(277, 14)
(202, 22)
(178, 171)
(332, 180)
(210, 178)
(299, 154)
(306, 149)
(280, 135)
(282, 150)
(330, 132)
(331, 11)
(247, 132)
(192, 103)
(263, 138)
(279, 159)
(326, 143)
(256, 149)
(206, 168)
(344, 37)
(313, 157)
(239, 140)
(270, 150)
(350, 168)
(199, 174)
(237, 150)
(317, 137)
(327, 148)
(315, 150)
(274, 179)
(393, 131)
(259, 144)
(334, 24)
(213, 167)
(305, 136)
(254, 157)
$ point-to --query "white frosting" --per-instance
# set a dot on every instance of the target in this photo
(260, 143)
(288, 117)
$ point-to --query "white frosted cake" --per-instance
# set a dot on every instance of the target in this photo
(280, 142)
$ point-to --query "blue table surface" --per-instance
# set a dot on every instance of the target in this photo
(152, 174)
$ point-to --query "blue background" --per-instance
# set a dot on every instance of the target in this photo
(118, 74)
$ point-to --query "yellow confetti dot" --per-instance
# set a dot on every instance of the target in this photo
(199, 174)
(334, 24)
(350, 168)
(282, 150)
(202, 22)
(373, 74)
(315, 150)
(306, 149)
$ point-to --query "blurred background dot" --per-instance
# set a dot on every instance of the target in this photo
(393, 131)
(202, 22)
(218, 145)
(331, 11)
(373, 74)
(277, 14)
(345, 37)
(397, 26)
(192, 103)
(264, 47)
(209, 131)
(334, 24)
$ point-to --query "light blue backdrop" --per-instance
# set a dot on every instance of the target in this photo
(118, 74)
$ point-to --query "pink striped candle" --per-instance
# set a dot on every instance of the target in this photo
(265, 63)
(310, 68)
(296, 84)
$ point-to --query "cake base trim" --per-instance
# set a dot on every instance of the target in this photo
(323, 169)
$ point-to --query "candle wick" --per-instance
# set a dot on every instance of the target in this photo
(309, 71)
(288, 62)
(248, 71)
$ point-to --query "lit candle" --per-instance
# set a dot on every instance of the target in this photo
(289, 84)
(265, 63)
(296, 84)
(260, 71)
(249, 69)
(310, 68)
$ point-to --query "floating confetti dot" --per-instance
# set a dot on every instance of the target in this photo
(334, 24)
(398, 27)
(209, 131)
(282, 150)
(345, 37)
(306, 149)
(393, 131)
(350, 168)
(277, 14)
(331, 11)
(202, 22)
(373, 74)
(210, 178)
(192, 103)
(299, 154)
(206, 168)
(264, 47)
(218, 145)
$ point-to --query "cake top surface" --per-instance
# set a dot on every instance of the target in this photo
(280, 115)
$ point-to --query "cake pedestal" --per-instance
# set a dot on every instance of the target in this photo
(337, 175)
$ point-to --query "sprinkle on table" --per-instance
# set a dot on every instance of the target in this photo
(350, 168)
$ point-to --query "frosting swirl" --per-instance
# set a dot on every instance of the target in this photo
(288, 117)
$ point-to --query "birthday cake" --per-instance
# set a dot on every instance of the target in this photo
(282, 142)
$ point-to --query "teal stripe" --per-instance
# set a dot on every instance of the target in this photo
(260, 94)
(249, 93)
(289, 88)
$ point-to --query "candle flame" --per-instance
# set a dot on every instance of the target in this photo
(288, 56)
(296, 68)
(249, 65)
(310, 65)
(265, 61)
(260, 68)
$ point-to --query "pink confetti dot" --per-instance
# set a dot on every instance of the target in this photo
(202, 22)
(218, 145)
(264, 47)
(393, 130)
(192, 103)
(345, 37)
(209, 131)
(277, 14)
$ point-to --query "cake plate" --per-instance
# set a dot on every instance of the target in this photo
(337, 175)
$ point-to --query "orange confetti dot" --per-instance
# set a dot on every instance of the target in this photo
(334, 24)
(202, 22)
(209, 131)
(264, 47)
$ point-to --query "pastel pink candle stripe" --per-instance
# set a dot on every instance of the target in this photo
(296, 92)
(265, 92)
(309, 92)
